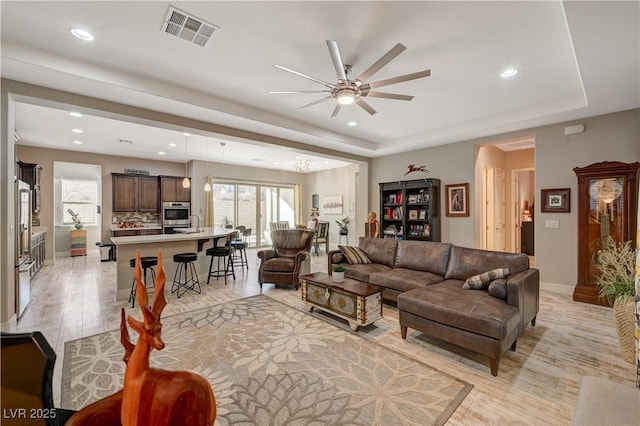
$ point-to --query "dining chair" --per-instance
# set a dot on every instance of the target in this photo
(321, 237)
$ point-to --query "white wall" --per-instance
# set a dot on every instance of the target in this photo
(344, 182)
(610, 137)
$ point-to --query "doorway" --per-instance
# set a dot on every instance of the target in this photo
(77, 188)
(523, 214)
(506, 199)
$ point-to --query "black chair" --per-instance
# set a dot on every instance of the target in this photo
(27, 375)
(222, 254)
(239, 248)
(190, 280)
(147, 263)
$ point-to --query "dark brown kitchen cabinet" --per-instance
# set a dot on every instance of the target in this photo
(133, 193)
(125, 190)
(148, 193)
(172, 189)
(30, 173)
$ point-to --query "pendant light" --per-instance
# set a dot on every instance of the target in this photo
(207, 185)
(186, 182)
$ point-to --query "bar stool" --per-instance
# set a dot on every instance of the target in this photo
(222, 253)
(185, 263)
(146, 263)
(239, 247)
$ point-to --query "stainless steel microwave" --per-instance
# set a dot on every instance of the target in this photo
(175, 213)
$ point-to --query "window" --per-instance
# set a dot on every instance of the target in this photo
(81, 196)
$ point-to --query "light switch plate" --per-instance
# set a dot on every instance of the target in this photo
(552, 224)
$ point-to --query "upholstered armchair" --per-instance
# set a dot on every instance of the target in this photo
(288, 259)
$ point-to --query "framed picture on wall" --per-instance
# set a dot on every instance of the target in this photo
(457, 200)
(556, 200)
(332, 204)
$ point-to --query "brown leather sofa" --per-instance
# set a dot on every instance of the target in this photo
(288, 259)
(425, 280)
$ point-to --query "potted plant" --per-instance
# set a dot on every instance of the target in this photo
(314, 215)
(338, 274)
(617, 286)
(76, 219)
(343, 224)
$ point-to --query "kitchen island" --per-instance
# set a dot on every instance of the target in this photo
(191, 241)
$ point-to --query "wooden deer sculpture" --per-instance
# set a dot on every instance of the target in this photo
(151, 396)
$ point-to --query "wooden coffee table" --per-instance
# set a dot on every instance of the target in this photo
(357, 302)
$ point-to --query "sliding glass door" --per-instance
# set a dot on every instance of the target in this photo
(246, 207)
(277, 204)
(254, 206)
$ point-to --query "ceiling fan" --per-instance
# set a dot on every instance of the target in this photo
(348, 91)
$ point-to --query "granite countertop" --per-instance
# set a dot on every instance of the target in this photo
(190, 234)
(37, 230)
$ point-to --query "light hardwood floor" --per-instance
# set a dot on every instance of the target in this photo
(538, 384)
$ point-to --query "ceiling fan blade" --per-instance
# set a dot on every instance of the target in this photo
(308, 77)
(365, 106)
(400, 79)
(314, 103)
(300, 91)
(388, 57)
(389, 96)
(336, 110)
(336, 59)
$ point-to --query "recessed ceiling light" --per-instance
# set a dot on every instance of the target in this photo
(161, 152)
(257, 159)
(75, 114)
(77, 131)
(82, 34)
(172, 144)
(352, 124)
(298, 157)
(327, 162)
(186, 134)
(275, 163)
(77, 142)
(508, 73)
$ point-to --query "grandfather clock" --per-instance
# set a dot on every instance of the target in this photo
(607, 203)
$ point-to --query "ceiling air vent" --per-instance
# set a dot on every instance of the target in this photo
(188, 27)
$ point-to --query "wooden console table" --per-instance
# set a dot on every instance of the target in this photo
(357, 302)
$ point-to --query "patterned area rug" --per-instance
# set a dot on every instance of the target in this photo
(269, 363)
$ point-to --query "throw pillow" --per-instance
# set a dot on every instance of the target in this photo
(498, 288)
(354, 255)
(479, 281)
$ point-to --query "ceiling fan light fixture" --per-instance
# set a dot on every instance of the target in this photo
(345, 97)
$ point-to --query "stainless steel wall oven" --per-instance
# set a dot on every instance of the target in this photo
(175, 215)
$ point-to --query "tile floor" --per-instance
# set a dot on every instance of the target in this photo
(537, 384)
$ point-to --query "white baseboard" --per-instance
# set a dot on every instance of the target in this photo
(556, 288)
